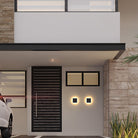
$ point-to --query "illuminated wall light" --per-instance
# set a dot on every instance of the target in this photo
(52, 60)
(75, 100)
(88, 100)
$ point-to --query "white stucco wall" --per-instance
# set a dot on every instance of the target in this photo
(67, 27)
(80, 120)
(19, 121)
(129, 30)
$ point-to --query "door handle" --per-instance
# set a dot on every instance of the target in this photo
(36, 105)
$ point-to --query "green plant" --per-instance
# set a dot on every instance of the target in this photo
(133, 135)
(132, 58)
(130, 125)
(127, 124)
(127, 134)
(116, 125)
(136, 133)
(134, 123)
(120, 132)
(125, 128)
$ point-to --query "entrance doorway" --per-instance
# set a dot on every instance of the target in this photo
(46, 99)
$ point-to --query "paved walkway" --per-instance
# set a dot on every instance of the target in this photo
(71, 137)
(24, 136)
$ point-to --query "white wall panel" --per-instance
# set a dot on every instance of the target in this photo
(71, 27)
(77, 120)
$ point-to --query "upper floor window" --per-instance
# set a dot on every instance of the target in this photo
(40, 5)
(66, 5)
(91, 5)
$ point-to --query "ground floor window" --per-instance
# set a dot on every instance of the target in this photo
(13, 86)
(82, 78)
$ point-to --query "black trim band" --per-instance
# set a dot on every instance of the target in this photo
(62, 46)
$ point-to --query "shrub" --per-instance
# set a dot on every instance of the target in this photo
(125, 128)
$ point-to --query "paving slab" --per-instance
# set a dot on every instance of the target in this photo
(25, 136)
(71, 137)
(22, 136)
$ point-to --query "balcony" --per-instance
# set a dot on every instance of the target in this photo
(60, 21)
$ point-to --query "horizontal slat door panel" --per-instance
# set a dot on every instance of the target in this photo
(46, 99)
(50, 75)
(46, 83)
(48, 113)
(47, 121)
(47, 77)
(48, 110)
(46, 129)
(47, 89)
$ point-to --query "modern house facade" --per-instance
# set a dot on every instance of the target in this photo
(69, 58)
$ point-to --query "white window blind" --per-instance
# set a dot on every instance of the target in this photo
(40, 5)
(12, 85)
(91, 5)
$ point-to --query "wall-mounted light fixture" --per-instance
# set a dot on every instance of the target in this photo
(88, 100)
(52, 60)
(75, 100)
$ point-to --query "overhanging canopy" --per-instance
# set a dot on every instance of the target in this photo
(64, 54)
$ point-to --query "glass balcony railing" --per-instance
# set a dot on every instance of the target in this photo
(66, 5)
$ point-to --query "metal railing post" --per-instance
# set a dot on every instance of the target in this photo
(66, 5)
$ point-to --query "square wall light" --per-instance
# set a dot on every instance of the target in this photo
(75, 100)
(88, 100)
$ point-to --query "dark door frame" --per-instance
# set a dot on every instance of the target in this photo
(60, 67)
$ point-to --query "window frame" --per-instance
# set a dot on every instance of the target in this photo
(82, 73)
(25, 94)
(65, 9)
(16, 7)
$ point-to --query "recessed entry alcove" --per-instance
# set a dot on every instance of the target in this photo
(21, 55)
(46, 65)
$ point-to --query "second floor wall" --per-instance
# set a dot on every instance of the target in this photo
(67, 27)
(128, 14)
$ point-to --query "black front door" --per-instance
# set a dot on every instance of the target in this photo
(46, 99)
